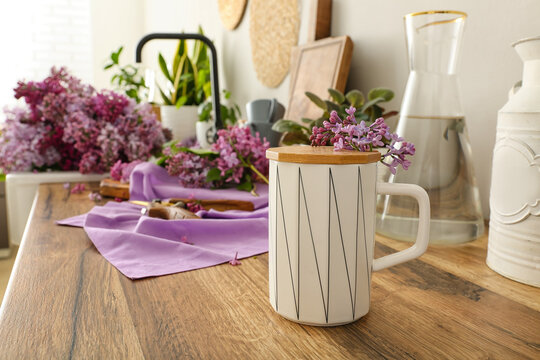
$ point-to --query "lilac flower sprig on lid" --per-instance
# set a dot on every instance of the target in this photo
(348, 134)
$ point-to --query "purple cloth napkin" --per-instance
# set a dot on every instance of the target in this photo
(140, 246)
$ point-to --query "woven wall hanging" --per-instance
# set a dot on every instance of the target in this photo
(231, 12)
(273, 30)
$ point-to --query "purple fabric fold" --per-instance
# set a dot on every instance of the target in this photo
(140, 246)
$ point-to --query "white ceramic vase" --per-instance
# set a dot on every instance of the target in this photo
(514, 231)
(21, 189)
(180, 120)
(205, 134)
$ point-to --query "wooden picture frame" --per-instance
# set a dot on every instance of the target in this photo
(315, 67)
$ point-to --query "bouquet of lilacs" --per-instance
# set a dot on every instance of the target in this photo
(348, 134)
(68, 125)
(237, 158)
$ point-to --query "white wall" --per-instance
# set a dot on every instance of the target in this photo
(489, 66)
(114, 24)
(39, 34)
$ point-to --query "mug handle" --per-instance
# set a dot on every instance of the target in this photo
(422, 238)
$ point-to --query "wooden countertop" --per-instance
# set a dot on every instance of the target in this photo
(65, 300)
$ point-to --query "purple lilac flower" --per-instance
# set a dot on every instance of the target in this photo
(67, 125)
(190, 168)
(238, 149)
(122, 171)
(78, 188)
(94, 196)
(348, 134)
(236, 154)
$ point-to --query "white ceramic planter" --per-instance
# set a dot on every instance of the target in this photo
(205, 134)
(181, 121)
(514, 227)
(321, 234)
(20, 192)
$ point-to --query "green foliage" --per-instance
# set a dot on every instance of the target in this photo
(295, 133)
(127, 78)
(229, 114)
(188, 77)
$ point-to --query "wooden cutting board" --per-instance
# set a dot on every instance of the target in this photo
(315, 67)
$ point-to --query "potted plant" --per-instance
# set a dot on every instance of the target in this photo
(368, 111)
(229, 117)
(69, 132)
(188, 86)
(127, 78)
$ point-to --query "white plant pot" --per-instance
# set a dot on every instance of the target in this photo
(205, 134)
(321, 235)
(20, 192)
(181, 121)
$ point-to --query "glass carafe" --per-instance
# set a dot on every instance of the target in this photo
(432, 118)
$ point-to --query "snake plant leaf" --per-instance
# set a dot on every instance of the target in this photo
(176, 64)
(186, 77)
(207, 88)
(181, 101)
(386, 94)
(337, 95)
(316, 100)
(163, 66)
(355, 98)
(164, 97)
(181, 49)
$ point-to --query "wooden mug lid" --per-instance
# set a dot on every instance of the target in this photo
(320, 155)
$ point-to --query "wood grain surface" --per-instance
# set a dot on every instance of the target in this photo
(320, 20)
(321, 155)
(65, 300)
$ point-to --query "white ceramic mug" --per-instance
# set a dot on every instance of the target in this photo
(321, 232)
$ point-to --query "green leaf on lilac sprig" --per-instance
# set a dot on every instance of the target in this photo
(199, 152)
(213, 174)
(247, 185)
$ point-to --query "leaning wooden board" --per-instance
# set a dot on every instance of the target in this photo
(315, 67)
(65, 300)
